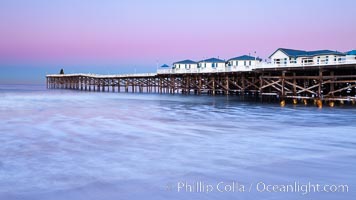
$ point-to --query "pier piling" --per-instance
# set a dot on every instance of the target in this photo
(319, 84)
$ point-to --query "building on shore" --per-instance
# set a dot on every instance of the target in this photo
(243, 63)
(289, 57)
(211, 64)
(185, 66)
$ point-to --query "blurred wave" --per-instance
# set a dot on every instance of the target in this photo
(58, 144)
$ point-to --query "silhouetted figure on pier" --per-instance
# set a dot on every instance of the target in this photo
(61, 72)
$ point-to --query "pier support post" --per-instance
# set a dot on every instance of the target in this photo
(332, 84)
(160, 85)
(320, 83)
(227, 85)
(283, 93)
(133, 85)
(188, 84)
(294, 85)
(243, 84)
(77, 83)
(261, 85)
(85, 79)
(126, 86)
(200, 85)
(94, 85)
(102, 85)
(213, 86)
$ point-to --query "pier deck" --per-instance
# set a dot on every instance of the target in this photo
(325, 83)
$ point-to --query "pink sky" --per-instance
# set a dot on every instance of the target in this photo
(138, 33)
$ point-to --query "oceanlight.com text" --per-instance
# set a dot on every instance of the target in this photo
(260, 187)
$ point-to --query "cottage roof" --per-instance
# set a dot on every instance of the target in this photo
(165, 66)
(352, 52)
(245, 57)
(185, 62)
(324, 52)
(213, 60)
(299, 53)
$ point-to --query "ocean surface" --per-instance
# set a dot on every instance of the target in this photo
(74, 145)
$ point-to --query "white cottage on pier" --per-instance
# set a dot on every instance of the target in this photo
(291, 57)
(212, 65)
(351, 55)
(185, 66)
(243, 63)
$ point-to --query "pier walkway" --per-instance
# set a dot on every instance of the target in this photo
(326, 83)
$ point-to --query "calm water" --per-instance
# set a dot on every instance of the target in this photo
(57, 144)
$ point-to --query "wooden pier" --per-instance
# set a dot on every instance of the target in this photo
(321, 84)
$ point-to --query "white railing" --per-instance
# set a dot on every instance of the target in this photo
(262, 65)
(240, 68)
(310, 64)
(104, 76)
(126, 75)
(205, 70)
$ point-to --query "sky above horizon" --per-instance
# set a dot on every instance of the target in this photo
(41, 36)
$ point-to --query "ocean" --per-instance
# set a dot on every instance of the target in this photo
(76, 145)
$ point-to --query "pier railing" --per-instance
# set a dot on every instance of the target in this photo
(332, 81)
(310, 64)
(104, 76)
(233, 68)
(263, 65)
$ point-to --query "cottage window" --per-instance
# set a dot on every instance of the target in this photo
(245, 63)
(250, 62)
